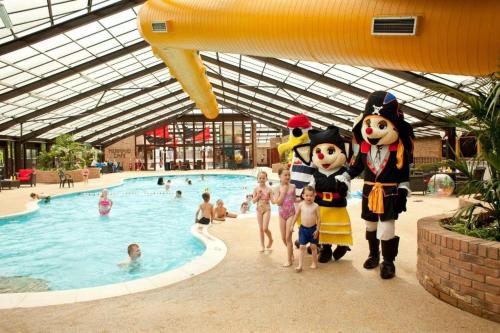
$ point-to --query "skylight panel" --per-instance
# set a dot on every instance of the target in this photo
(19, 55)
(118, 18)
(34, 61)
(8, 71)
(51, 43)
(63, 51)
(62, 7)
(84, 31)
(46, 68)
(17, 79)
(77, 57)
(341, 75)
(96, 38)
(316, 67)
(130, 37)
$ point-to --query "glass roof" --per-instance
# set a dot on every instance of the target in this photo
(110, 97)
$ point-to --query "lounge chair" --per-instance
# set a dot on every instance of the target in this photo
(26, 176)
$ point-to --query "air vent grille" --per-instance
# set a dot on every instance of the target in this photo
(403, 26)
(159, 26)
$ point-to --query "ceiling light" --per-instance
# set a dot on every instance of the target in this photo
(4, 16)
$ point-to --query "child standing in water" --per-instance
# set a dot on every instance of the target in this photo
(105, 203)
(308, 211)
(286, 202)
(262, 196)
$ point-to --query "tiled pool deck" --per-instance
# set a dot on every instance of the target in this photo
(251, 291)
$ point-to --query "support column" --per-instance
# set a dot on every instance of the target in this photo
(452, 139)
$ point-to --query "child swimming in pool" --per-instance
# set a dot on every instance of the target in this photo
(105, 203)
(167, 185)
(134, 253)
(262, 196)
(206, 209)
(220, 212)
(308, 211)
(285, 199)
(45, 198)
(244, 208)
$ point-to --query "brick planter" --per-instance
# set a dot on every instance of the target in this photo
(460, 270)
(52, 177)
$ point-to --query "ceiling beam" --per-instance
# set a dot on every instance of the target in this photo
(63, 27)
(72, 71)
(425, 117)
(118, 101)
(427, 83)
(282, 99)
(266, 114)
(263, 119)
(125, 112)
(282, 85)
(276, 107)
(129, 120)
(144, 126)
(78, 97)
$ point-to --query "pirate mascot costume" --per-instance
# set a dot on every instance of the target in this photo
(326, 152)
(385, 154)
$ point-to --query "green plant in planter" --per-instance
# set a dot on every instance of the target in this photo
(482, 120)
(68, 153)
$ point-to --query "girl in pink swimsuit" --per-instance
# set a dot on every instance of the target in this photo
(262, 196)
(286, 202)
(105, 204)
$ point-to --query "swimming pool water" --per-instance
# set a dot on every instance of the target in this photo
(69, 245)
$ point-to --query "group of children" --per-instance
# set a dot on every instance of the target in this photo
(209, 213)
(306, 212)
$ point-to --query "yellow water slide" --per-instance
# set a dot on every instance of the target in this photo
(442, 36)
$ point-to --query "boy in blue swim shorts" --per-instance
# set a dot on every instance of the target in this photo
(308, 211)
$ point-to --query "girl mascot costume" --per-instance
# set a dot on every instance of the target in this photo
(384, 156)
(326, 151)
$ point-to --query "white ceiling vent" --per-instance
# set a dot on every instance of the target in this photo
(398, 26)
(159, 26)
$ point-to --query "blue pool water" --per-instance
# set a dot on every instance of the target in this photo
(69, 245)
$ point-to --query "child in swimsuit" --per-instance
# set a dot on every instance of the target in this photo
(262, 196)
(206, 209)
(85, 175)
(220, 212)
(286, 202)
(309, 214)
(105, 204)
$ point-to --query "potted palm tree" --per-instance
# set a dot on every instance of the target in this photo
(481, 216)
(458, 255)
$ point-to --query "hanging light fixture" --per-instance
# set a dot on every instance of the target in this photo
(4, 16)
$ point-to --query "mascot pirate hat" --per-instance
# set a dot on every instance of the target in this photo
(330, 135)
(386, 105)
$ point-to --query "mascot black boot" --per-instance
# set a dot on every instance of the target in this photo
(374, 256)
(340, 251)
(389, 252)
(325, 255)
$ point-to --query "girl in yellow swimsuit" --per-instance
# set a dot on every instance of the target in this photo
(262, 196)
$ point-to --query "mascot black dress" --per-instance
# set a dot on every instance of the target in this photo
(384, 156)
(326, 151)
